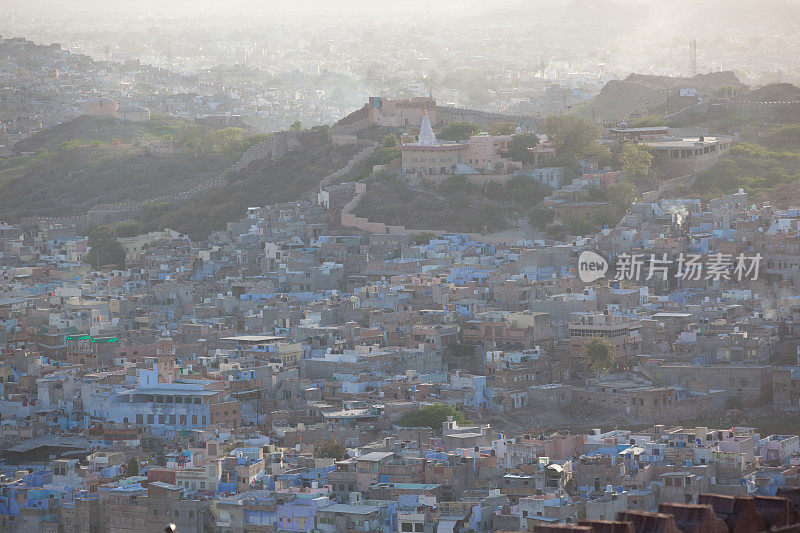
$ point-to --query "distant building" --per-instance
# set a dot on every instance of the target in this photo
(134, 113)
(683, 157)
(550, 176)
(428, 157)
(479, 154)
(136, 245)
(101, 107)
(655, 133)
(395, 113)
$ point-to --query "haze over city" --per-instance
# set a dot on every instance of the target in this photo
(418, 266)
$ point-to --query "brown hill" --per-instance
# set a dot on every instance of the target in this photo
(648, 95)
(774, 92)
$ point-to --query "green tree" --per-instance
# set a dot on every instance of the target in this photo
(193, 146)
(580, 226)
(573, 137)
(540, 217)
(458, 131)
(519, 147)
(622, 194)
(599, 355)
(390, 141)
(127, 229)
(227, 141)
(422, 238)
(132, 468)
(636, 159)
(432, 416)
(605, 217)
(296, 126)
(331, 450)
(495, 191)
(525, 191)
(384, 156)
(105, 248)
(502, 128)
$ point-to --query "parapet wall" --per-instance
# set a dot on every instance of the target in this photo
(485, 119)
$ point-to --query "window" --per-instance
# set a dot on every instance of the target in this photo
(406, 526)
(419, 527)
(150, 419)
(140, 419)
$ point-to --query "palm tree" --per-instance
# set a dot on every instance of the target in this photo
(599, 355)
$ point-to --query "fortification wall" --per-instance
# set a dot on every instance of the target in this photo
(485, 119)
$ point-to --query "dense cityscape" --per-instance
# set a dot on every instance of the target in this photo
(417, 268)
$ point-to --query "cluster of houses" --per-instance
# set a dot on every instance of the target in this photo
(263, 379)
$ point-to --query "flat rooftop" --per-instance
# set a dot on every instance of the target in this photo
(691, 142)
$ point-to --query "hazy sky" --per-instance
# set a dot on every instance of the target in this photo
(195, 7)
(175, 8)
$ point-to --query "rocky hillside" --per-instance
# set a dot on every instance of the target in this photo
(647, 95)
(70, 168)
(290, 173)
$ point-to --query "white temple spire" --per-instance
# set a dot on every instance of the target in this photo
(426, 136)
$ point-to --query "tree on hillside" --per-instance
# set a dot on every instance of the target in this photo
(105, 248)
(605, 217)
(502, 128)
(422, 238)
(540, 217)
(227, 141)
(296, 126)
(636, 160)
(579, 226)
(458, 131)
(390, 141)
(331, 450)
(432, 416)
(599, 355)
(193, 146)
(518, 148)
(572, 136)
(622, 195)
(127, 229)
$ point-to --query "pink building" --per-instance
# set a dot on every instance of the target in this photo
(481, 153)
(485, 152)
